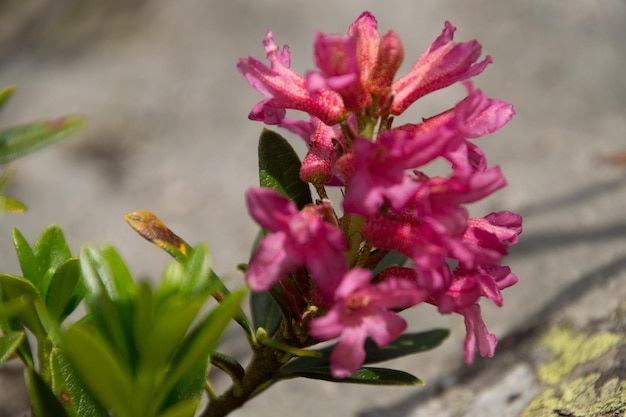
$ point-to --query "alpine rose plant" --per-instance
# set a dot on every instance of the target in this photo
(328, 259)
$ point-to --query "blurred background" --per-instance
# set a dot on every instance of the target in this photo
(168, 132)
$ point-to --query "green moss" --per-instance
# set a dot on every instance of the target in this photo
(581, 397)
(569, 348)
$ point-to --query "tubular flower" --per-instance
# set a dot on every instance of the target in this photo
(286, 89)
(442, 64)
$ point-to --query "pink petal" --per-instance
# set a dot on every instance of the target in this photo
(349, 354)
(270, 262)
(270, 209)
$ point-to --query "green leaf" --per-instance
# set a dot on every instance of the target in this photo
(279, 168)
(26, 257)
(70, 389)
(9, 343)
(100, 369)
(391, 259)
(366, 376)
(203, 338)
(43, 400)
(265, 312)
(5, 93)
(108, 297)
(170, 322)
(406, 344)
(13, 287)
(12, 205)
(197, 277)
(190, 387)
(62, 297)
(20, 140)
(181, 409)
(50, 252)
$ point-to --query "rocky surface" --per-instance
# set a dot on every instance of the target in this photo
(168, 133)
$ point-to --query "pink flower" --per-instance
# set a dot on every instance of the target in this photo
(296, 238)
(442, 64)
(286, 89)
(360, 310)
(319, 164)
(358, 64)
(379, 171)
(476, 335)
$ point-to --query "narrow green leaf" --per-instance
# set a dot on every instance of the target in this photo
(70, 389)
(406, 344)
(365, 376)
(9, 343)
(204, 338)
(5, 93)
(13, 287)
(278, 345)
(265, 312)
(20, 140)
(26, 257)
(43, 400)
(279, 168)
(100, 370)
(62, 289)
(12, 205)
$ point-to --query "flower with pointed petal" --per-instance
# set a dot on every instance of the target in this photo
(286, 89)
(442, 64)
(360, 310)
(296, 238)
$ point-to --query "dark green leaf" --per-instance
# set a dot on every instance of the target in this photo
(393, 258)
(279, 168)
(13, 287)
(190, 387)
(61, 298)
(265, 312)
(99, 368)
(70, 389)
(26, 257)
(9, 343)
(366, 376)
(43, 400)
(406, 344)
(20, 140)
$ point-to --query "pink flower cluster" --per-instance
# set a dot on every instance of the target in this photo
(389, 203)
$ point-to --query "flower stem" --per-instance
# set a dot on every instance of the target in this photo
(261, 373)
